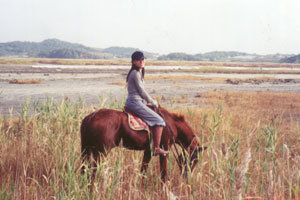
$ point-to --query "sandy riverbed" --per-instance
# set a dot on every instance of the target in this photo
(91, 84)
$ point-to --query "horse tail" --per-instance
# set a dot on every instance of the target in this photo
(86, 149)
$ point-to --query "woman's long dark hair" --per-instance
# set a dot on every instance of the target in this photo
(133, 67)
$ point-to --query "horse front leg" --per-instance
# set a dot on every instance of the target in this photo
(146, 160)
(163, 167)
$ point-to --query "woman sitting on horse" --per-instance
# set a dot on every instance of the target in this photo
(137, 97)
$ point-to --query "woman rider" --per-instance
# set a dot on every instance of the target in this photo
(137, 97)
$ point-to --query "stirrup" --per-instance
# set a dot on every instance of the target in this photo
(160, 152)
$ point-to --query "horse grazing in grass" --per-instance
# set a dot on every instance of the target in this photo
(104, 129)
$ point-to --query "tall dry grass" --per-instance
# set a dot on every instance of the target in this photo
(252, 140)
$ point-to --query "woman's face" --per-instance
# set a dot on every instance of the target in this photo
(139, 63)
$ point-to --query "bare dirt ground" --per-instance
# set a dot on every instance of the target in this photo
(92, 84)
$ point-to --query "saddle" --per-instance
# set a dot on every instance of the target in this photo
(136, 123)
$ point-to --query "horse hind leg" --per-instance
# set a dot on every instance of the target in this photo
(90, 157)
(94, 160)
(84, 160)
(97, 156)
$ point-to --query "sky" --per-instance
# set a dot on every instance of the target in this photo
(161, 26)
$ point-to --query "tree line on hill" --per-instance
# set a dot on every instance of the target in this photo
(54, 48)
(226, 56)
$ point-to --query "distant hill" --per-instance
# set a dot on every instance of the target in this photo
(33, 49)
(292, 59)
(73, 53)
(178, 56)
(120, 52)
(225, 56)
(125, 52)
(54, 48)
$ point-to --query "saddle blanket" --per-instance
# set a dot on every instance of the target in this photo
(137, 124)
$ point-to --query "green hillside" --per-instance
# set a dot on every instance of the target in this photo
(54, 48)
(225, 56)
(292, 59)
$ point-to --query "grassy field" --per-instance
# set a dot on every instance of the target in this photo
(252, 139)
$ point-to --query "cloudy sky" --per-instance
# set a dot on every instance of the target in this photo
(162, 26)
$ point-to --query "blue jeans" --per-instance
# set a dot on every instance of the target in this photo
(145, 113)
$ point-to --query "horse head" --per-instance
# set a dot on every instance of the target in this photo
(191, 146)
(189, 157)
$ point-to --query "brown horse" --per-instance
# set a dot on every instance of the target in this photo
(104, 129)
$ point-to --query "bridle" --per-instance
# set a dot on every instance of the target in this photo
(176, 153)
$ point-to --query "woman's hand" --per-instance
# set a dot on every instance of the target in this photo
(155, 103)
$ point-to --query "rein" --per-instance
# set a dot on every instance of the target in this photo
(172, 138)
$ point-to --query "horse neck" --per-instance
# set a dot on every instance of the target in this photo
(186, 137)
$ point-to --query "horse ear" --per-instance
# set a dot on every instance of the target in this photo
(182, 118)
(179, 117)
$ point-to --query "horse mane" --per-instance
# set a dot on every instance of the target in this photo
(175, 116)
(182, 126)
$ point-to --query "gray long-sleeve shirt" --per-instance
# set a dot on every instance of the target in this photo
(135, 88)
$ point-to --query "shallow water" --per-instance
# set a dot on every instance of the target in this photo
(241, 76)
(158, 67)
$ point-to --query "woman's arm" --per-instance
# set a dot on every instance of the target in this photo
(140, 87)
